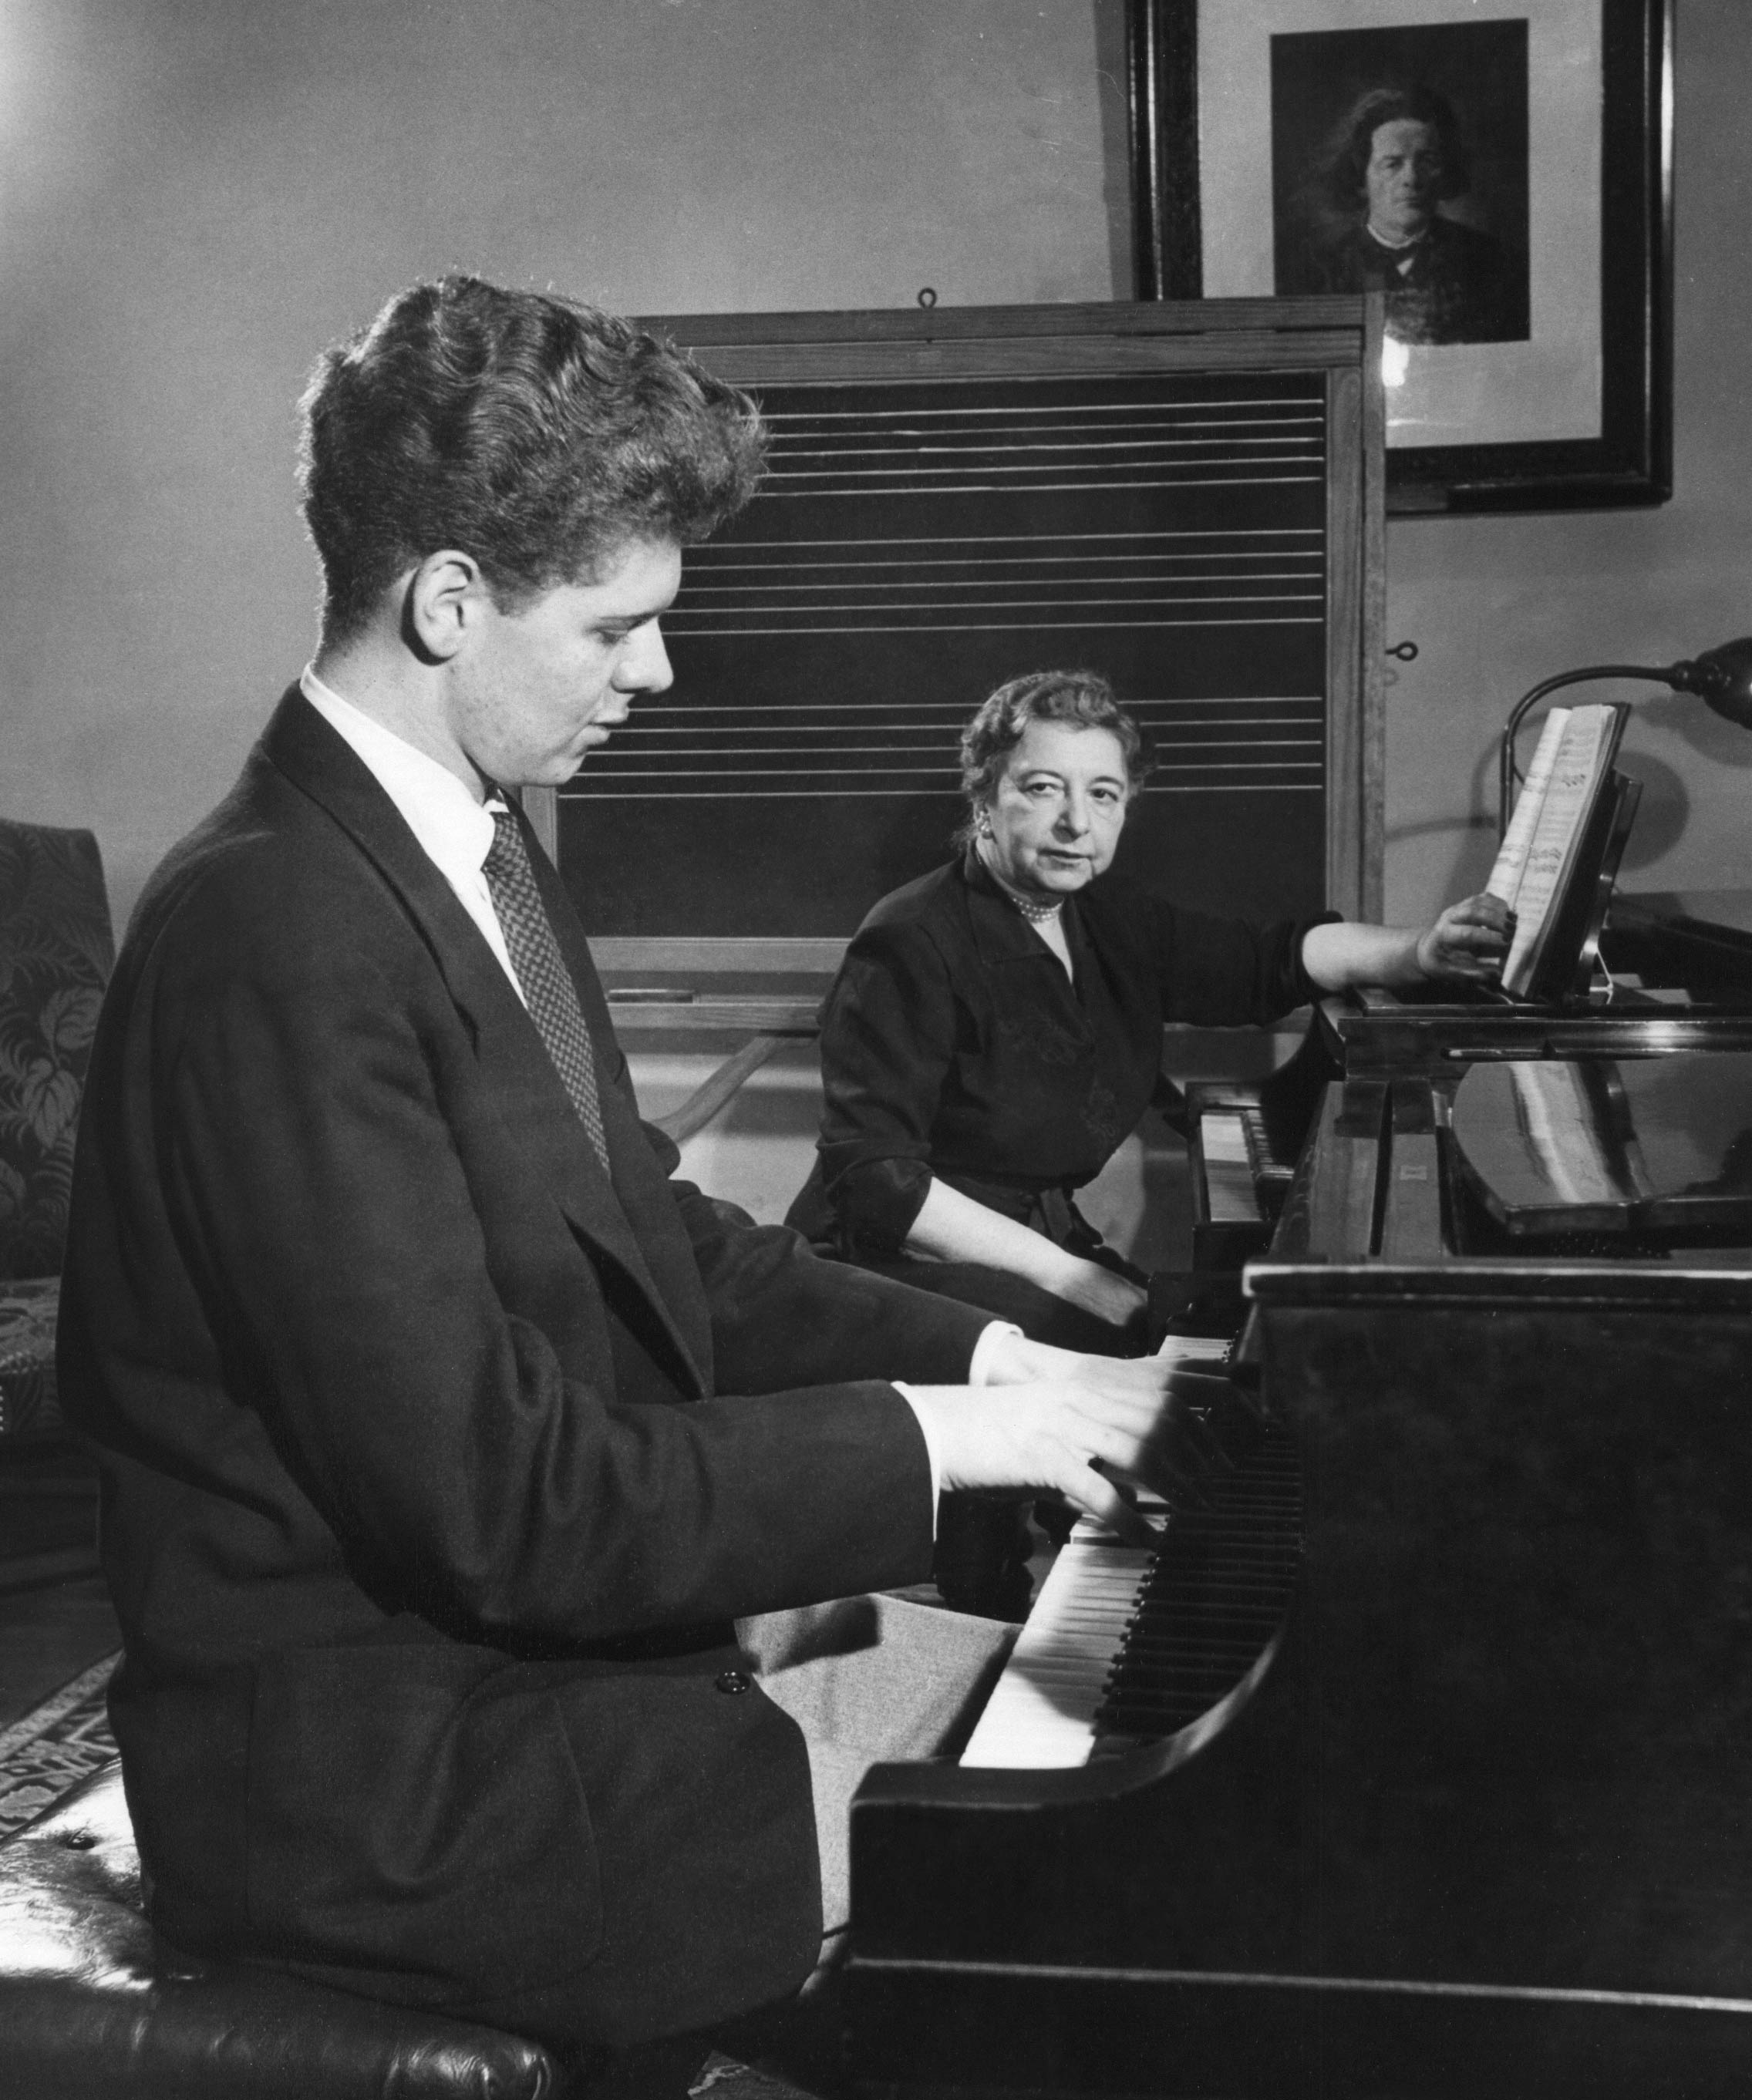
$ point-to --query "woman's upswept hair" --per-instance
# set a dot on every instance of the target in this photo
(1343, 161)
(536, 435)
(1083, 699)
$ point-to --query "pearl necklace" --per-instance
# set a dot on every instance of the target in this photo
(1036, 914)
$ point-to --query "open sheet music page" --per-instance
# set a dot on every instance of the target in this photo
(1584, 757)
(1512, 855)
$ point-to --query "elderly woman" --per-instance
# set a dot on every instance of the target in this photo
(994, 1034)
(1375, 222)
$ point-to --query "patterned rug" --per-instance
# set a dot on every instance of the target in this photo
(57, 1743)
(725, 2079)
(54, 1746)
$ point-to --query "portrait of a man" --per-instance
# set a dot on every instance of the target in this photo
(1399, 166)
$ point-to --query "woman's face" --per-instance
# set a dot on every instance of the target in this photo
(1058, 809)
(1403, 177)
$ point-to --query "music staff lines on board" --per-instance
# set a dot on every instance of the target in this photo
(967, 451)
(722, 554)
(1171, 715)
(851, 594)
(1148, 537)
(873, 417)
(752, 745)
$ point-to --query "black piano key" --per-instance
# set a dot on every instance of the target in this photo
(1215, 1597)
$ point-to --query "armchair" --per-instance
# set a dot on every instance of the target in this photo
(56, 951)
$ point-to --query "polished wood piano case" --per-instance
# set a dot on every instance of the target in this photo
(1485, 1823)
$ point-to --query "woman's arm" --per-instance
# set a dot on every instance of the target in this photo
(888, 1031)
(1468, 943)
(951, 1227)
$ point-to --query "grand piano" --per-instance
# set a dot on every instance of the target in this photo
(1417, 1759)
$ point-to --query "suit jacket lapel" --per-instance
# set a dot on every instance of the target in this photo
(531, 1100)
(643, 1188)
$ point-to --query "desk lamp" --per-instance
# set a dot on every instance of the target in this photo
(1720, 678)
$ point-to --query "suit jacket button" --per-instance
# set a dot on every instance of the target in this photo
(732, 1680)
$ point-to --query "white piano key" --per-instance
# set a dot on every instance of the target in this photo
(1229, 1176)
(1042, 1713)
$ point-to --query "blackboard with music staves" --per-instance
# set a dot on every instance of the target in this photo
(1184, 497)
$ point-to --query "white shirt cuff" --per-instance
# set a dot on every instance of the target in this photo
(977, 1372)
(979, 1368)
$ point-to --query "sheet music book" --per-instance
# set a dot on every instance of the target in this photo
(1512, 855)
(1539, 859)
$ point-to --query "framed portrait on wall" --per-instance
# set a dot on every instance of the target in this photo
(1499, 171)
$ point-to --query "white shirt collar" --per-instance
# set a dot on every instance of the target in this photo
(451, 827)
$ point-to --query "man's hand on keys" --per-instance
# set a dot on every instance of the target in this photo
(1051, 1418)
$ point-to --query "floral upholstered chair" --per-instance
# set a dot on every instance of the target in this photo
(56, 950)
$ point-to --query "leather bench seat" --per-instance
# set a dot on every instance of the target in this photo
(94, 2006)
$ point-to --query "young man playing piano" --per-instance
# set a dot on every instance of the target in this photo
(444, 1435)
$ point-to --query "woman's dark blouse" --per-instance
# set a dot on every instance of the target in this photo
(953, 1043)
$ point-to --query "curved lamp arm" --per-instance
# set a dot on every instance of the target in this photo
(1508, 771)
(1720, 678)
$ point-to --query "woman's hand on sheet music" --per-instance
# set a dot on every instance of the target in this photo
(1469, 941)
(1078, 1424)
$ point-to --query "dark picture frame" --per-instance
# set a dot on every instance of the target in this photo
(1626, 462)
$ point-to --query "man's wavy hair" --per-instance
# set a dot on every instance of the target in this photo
(1342, 164)
(536, 435)
(1082, 698)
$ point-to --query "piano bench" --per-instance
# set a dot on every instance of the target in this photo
(94, 2006)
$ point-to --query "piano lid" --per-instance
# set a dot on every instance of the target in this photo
(1722, 916)
(1659, 1147)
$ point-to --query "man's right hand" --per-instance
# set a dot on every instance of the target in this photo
(1079, 1431)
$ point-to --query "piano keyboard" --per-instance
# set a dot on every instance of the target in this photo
(1126, 1643)
(1229, 1172)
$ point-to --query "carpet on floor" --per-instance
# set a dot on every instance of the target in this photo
(61, 1742)
(55, 1746)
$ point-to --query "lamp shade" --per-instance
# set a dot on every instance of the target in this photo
(1721, 678)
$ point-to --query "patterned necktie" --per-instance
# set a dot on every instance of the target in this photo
(547, 987)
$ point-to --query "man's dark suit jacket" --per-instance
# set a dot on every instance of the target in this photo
(423, 1523)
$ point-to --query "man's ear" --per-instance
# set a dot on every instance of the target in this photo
(444, 599)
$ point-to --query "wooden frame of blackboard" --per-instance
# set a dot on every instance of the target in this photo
(1338, 339)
